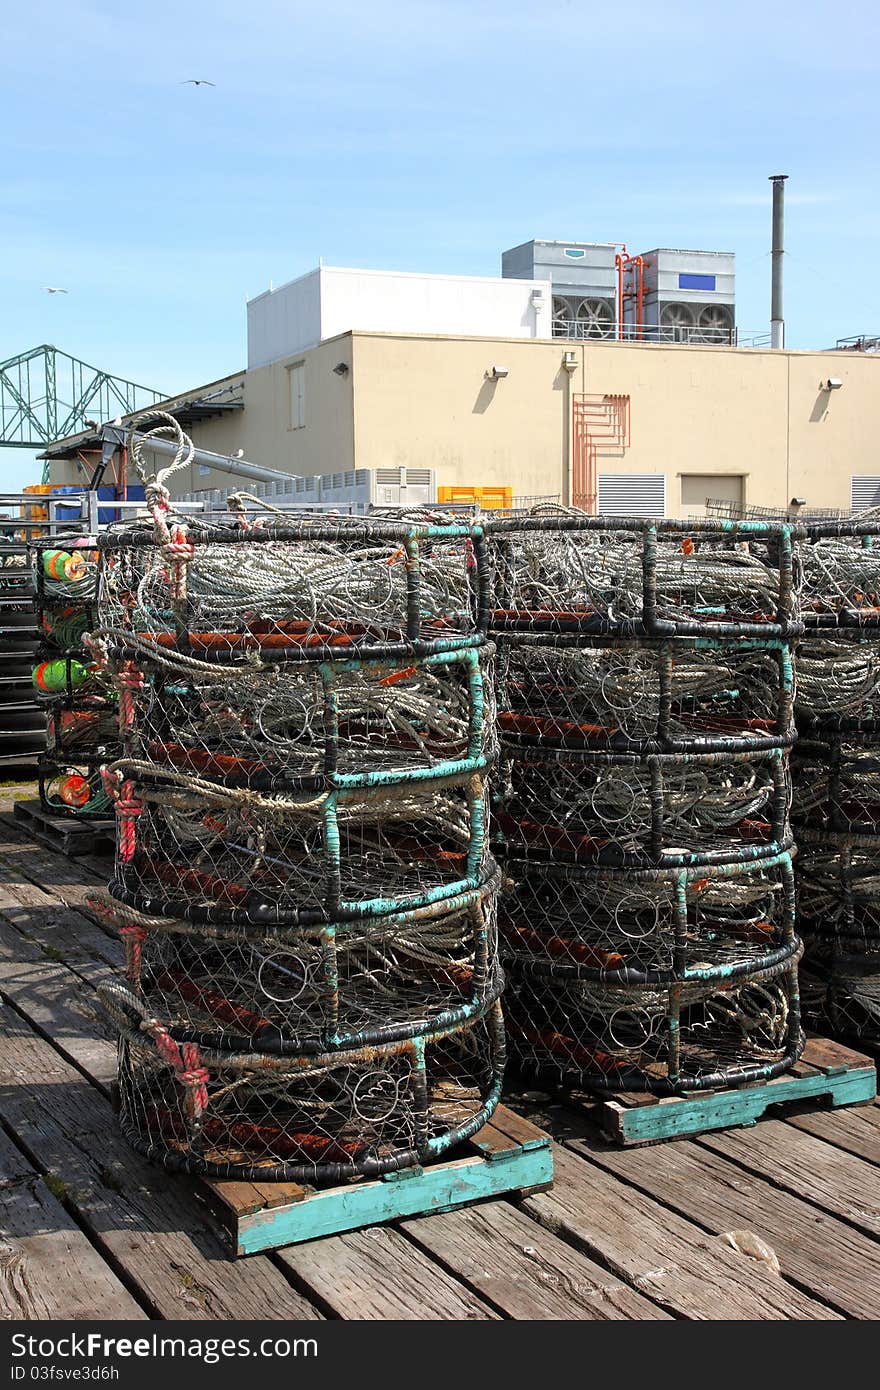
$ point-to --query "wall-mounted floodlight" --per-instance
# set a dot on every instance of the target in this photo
(569, 361)
(496, 373)
(833, 383)
(798, 502)
(341, 369)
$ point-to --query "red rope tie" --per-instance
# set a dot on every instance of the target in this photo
(128, 808)
(186, 1065)
(133, 939)
(178, 551)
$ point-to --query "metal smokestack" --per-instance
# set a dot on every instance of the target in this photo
(777, 323)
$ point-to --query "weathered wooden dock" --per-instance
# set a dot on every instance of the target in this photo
(93, 1231)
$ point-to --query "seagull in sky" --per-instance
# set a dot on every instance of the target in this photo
(55, 289)
(196, 82)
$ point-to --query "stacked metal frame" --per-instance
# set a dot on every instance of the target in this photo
(79, 699)
(837, 776)
(303, 879)
(645, 688)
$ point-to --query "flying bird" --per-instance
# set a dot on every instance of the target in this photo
(55, 289)
(196, 82)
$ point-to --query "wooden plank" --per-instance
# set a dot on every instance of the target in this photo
(144, 1219)
(68, 934)
(66, 879)
(856, 1130)
(825, 1052)
(48, 1269)
(491, 1142)
(827, 1177)
(524, 1270)
(58, 1004)
(412, 1192)
(378, 1274)
(674, 1262)
(244, 1198)
(517, 1127)
(826, 1257)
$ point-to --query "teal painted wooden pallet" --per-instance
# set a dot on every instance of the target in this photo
(508, 1155)
(827, 1071)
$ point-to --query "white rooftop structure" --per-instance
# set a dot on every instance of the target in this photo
(333, 300)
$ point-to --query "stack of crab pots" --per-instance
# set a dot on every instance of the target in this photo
(303, 880)
(645, 714)
(836, 804)
(79, 700)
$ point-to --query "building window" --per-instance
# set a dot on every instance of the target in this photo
(296, 394)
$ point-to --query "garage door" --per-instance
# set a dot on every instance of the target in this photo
(698, 488)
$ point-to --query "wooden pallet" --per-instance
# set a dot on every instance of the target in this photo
(508, 1155)
(826, 1070)
(65, 833)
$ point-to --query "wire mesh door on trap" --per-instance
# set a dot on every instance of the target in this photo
(643, 800)
(303, 879)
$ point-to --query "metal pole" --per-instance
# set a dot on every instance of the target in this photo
(224, 463)
(777, 323)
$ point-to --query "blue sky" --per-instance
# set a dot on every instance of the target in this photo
(416, 136)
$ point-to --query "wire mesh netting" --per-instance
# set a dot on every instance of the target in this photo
(303, 880)
(323, 1117)
(80, 703)
(312, 583)
(304, 991)
(619, 694)
(645, 710)
(565, 570)
(836, 804)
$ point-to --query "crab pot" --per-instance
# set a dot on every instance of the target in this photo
(645, 710)
(669, 1040)
(569, 805)
(558, 573)
(344, 985)
(645, 695)
(315, 585)
(212, 856)
(836, 771)
(322, 1117)
(282, 723)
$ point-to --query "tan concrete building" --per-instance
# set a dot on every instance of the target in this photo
(619, 427)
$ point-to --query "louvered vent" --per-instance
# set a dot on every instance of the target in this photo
(632, 494)
(864, 491)
(418, 477)
(388, 476)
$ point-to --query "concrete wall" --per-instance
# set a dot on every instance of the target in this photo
(263, 429)
(422, 401)
(754, 414)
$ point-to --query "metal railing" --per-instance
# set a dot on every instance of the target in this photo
(588, 330)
